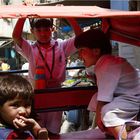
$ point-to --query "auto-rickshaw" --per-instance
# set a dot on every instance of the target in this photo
(123, 26)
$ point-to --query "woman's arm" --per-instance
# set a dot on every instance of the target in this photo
(99, 122)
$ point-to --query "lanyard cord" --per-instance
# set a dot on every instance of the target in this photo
(46, 64)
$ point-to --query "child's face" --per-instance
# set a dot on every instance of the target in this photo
(89, 56)
(42, 34)
(13, 109)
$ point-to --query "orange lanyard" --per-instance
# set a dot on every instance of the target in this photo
(45, 62)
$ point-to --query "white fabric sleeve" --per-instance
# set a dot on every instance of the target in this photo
(68, 46)
(25, 49)
(108, 75)
(93, 103)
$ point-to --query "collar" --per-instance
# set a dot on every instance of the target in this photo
(51, 44)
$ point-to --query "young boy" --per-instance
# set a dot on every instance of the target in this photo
(118, 96)
(16, 97)
(50, 56)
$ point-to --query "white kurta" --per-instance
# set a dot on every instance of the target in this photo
(118, 84)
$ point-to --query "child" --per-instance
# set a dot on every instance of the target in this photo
(16, 96)
(47, 55)
(118, 95)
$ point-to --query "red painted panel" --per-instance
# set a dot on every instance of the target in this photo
(63, 98)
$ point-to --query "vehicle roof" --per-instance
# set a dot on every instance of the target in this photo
(121, 26)
(15, 11)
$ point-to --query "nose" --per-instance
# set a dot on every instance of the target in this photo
(22, 111)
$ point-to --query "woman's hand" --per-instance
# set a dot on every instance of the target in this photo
(98, 116)
(99, 122)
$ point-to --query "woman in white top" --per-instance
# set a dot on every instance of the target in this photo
(118, 97)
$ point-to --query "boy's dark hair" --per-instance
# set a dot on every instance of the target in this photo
(94, 38)
(12, 86)
(41, 22)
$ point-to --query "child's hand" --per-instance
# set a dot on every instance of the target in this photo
(24, 123)
(31, 125)
(18, 123)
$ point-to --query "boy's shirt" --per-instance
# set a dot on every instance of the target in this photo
(63, 49)
(7, 133)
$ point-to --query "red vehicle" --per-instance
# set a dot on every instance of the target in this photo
(123, 26)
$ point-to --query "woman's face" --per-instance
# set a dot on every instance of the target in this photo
(89, 56)
(42, 34)
(12, 109)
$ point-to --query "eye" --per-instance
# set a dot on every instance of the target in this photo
(27, 105)
(15, 105)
